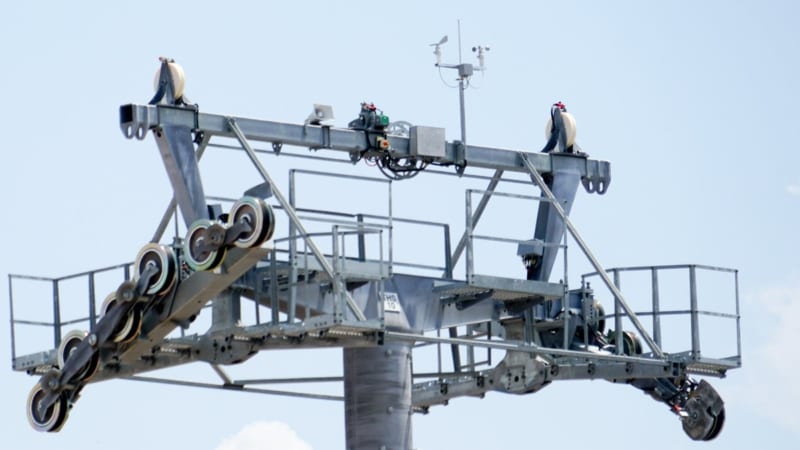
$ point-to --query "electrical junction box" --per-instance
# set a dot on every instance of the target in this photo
(427, 142)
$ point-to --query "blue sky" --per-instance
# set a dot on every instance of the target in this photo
(692, 102)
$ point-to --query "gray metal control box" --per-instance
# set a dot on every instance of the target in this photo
(427, 142)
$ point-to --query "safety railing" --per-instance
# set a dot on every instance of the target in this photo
(62, 296)
(392, 224)
(472, 237)
(683, 302)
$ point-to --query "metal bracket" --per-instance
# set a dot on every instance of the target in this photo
(597, 177)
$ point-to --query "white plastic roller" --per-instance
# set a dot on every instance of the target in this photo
(178, 78)
(569, 125)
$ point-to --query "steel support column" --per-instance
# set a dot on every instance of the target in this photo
(226, 310)
(377, 396)
(177, 150)
(564, 181)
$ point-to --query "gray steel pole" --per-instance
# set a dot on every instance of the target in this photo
(377, 397)
(487, 195)
(656, 307)
(695, 320)
(56, 315)
(463, 112)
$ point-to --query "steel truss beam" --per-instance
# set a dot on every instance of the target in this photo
(136, 120)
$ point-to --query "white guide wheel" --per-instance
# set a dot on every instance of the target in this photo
(569, 125)
(68, 344)
(53, 418)
(178, 79)
(200, 258)
(258, 215)
(163, 258)
(127, 330)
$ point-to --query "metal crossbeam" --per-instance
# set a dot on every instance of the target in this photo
(235, 387)
(522, 347)
(135, 120)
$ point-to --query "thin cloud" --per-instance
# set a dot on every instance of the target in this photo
(793, 189)
(775, 393)
(265, 436)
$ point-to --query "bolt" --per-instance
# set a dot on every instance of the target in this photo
(92, 339)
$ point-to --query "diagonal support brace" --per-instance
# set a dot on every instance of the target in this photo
(293, 216)
(476, 216)
(537, 178)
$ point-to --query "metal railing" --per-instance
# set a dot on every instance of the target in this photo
(58, 321)
(657, 312)
(386, 221)
(471, 223)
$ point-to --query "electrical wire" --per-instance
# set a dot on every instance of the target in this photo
(445, 82)
(394, 169)
(477, 88)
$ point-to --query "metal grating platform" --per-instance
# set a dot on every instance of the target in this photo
(500, 289)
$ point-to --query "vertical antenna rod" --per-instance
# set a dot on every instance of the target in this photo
(465, 72)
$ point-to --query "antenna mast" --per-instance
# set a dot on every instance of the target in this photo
(465, 72)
